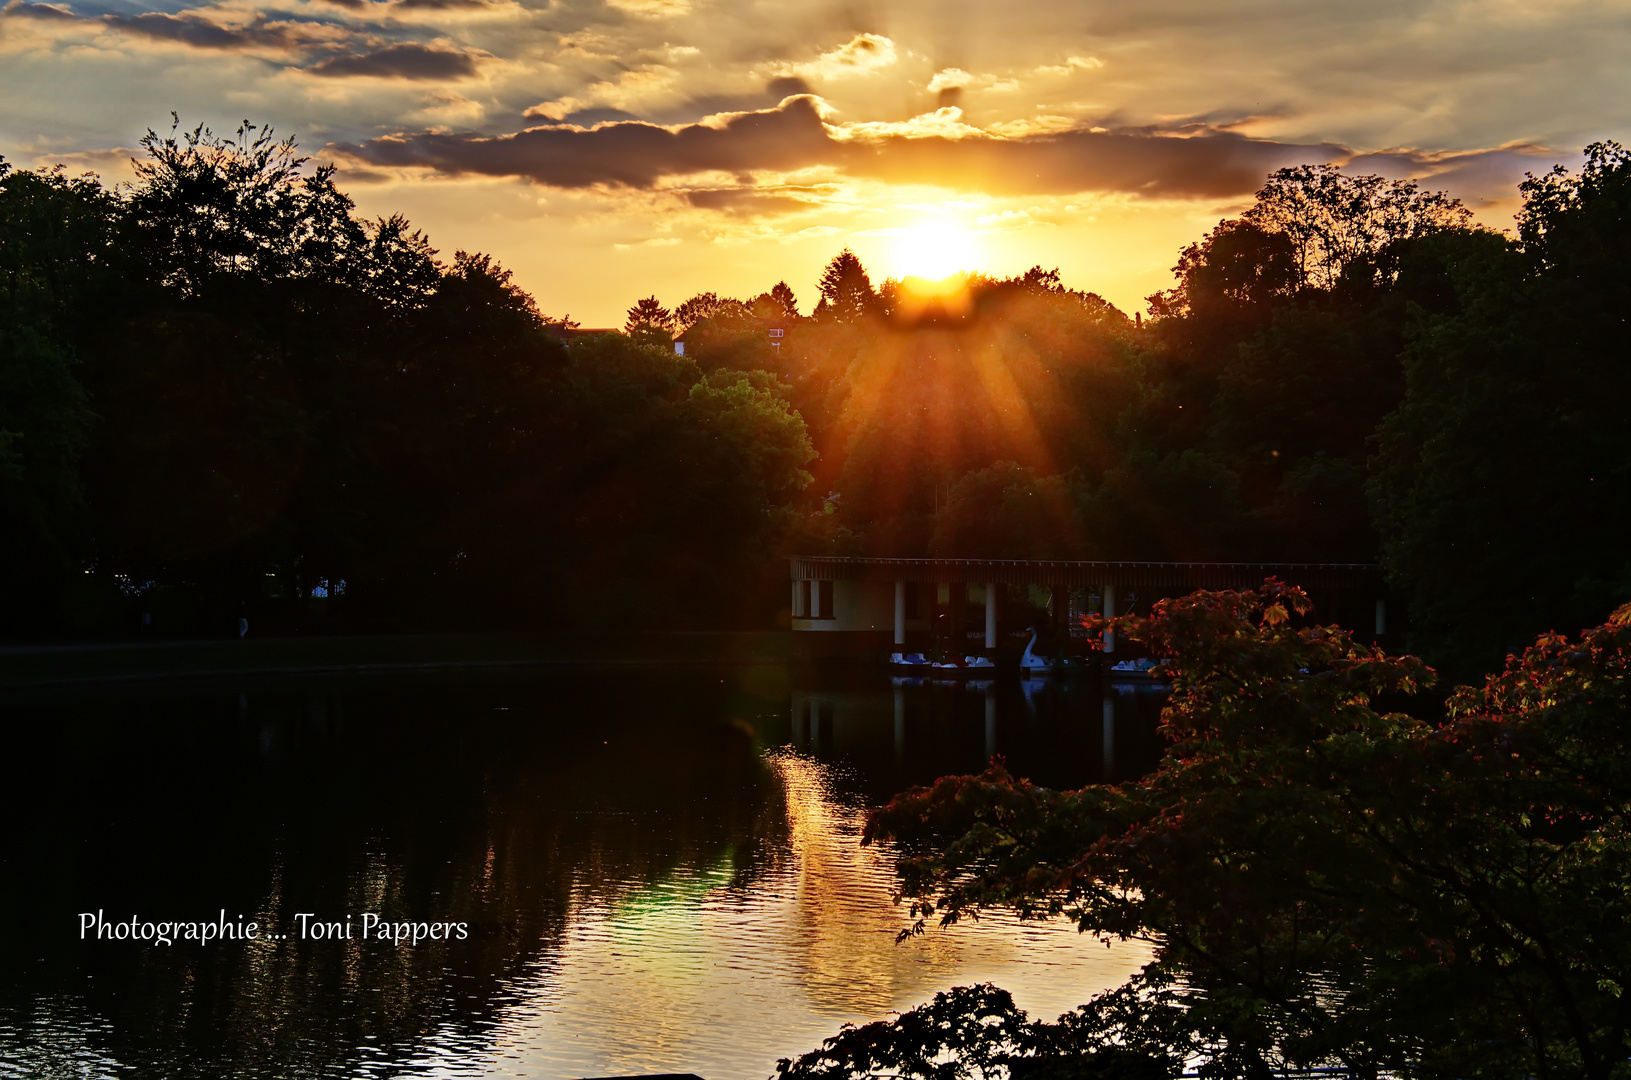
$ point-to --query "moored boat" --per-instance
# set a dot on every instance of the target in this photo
(1033, 663)
(1142, 667)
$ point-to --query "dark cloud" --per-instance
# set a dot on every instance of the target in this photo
(1197, 160)
(1192, 161)
(786, 87)
(745, 201)
(632, 154)
(1480, 176)
(410, 5)
(583, 117)
(1145, 162)
(185, 29)
(405, 61)
(17, 9)
(408, 61)
(363, 176)
(203, 34)
(694, 109)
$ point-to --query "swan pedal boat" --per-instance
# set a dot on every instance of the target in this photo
(918, 660)
(1033, 663)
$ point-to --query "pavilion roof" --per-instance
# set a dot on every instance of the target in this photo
(1121, 573)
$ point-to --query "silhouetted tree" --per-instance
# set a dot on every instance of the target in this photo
(400, 268)
(649, 315)
(54, 243)
(709, 306)
(846, 290)
(1338, 222)
(786, 304)
(206, 206)
(1503, 480)
(1236, 264)
(288, 396)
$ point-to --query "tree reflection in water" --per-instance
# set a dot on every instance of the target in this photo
(650, 884)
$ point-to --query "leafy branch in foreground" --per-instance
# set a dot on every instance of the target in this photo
(1328, 883)
(977, 1031)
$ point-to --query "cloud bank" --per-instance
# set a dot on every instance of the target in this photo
(324, 49)
(1190, 161)
(630, 154)
(407, 61)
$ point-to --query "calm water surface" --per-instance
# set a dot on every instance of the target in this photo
(660, 869)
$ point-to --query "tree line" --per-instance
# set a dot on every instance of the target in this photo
(1350, 371)
(226, 395)
(225, 392)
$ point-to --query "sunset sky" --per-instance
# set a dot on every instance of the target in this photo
(608, 149)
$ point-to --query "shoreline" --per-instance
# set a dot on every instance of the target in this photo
(145, 662)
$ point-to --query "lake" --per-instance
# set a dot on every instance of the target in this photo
(656, 869)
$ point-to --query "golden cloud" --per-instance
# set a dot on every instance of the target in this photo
(864, 54)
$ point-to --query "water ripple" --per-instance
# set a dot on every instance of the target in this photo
(689, 974)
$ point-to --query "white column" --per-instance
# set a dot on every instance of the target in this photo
(990, 724)
(1381, 616)
(990, 615)
(900, 613)
(1109, 611)
(815, 599)
(798, 587)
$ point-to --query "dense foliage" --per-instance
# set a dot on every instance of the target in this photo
(1503, 479)
(1328, 883)
(222, 394)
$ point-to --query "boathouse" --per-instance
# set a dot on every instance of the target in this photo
(859, 607)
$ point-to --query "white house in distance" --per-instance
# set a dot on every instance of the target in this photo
(775, 331)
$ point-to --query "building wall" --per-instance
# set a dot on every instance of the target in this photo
(861, 605)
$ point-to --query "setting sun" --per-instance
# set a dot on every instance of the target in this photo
(933, 250)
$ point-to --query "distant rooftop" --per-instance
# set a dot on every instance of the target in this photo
(573, 333)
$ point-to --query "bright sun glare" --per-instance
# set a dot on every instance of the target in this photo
(933, 250)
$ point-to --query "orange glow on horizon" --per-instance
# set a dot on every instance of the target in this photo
(947, 297)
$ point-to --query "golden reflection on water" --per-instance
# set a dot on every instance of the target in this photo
(697, 973)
